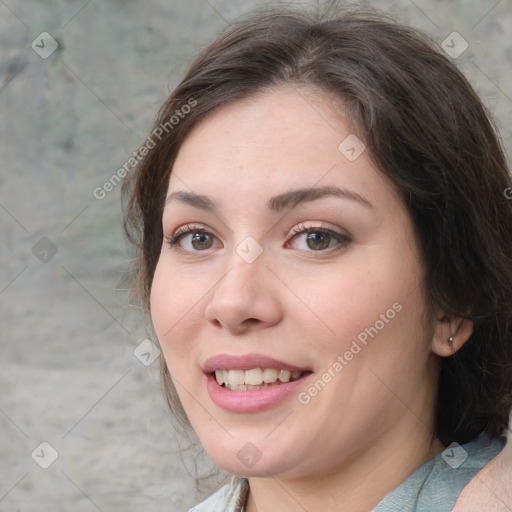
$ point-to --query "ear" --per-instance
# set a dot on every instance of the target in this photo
(450, 334)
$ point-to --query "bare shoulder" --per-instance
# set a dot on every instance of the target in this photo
(491, 488)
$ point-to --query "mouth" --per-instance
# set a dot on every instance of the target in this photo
(252, 382)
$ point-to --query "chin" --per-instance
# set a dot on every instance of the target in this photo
(244, 458)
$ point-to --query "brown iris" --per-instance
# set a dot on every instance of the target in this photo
(318, 241)
(201, 241)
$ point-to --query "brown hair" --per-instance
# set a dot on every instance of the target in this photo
(425, 128)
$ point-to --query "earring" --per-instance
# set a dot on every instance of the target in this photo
(450, 340)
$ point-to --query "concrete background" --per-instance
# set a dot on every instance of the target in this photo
(69, 376)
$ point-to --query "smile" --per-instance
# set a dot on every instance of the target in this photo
(252, 382)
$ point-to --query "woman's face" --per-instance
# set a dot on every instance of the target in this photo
(287, 256)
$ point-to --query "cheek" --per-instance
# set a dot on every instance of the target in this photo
(353, 297)
(174, 312)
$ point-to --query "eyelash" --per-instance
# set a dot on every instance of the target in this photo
(301, 228)
(187, 229)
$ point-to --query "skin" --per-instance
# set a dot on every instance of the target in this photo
(491, 489)
(371, 426)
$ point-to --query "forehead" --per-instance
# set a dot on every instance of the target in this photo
(271, 141)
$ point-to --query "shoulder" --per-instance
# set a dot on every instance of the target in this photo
(491, 488)
(438, 484)
(230, 498)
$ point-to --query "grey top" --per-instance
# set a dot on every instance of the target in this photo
(433, 487)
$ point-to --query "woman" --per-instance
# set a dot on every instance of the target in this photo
(325, 252)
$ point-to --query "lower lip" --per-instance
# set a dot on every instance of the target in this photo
(251, 401)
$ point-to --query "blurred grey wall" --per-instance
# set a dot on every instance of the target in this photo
(82, 423)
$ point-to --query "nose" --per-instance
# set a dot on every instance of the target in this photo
(246, 298)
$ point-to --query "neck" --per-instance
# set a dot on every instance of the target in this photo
(355, 486)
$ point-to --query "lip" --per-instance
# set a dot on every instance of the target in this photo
(255, 400)
(247, 362)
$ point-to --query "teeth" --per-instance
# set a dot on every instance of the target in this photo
(255, 378)
(270, 375)
(236, 377)
(284, 375)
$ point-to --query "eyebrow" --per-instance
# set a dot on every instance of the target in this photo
(286, 200)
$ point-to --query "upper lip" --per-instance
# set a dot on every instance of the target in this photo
(247, 362)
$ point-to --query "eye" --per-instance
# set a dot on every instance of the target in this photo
(316, 239)
(193, 239)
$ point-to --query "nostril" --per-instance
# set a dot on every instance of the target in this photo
(215, 322)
